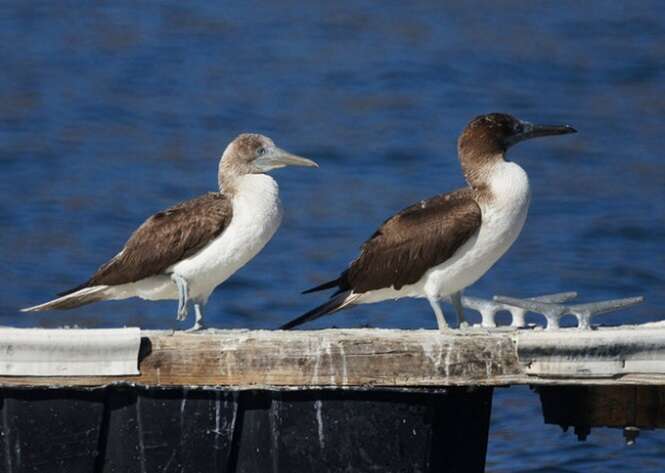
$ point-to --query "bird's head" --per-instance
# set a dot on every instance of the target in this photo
(494, 133)
(251, 153)
(486, 139)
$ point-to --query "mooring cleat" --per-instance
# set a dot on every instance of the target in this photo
(553, 312)
(489, 308)
(518, 313)
(584, 312)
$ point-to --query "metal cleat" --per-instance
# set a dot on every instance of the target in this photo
(553, 312)
(489, 308)
(584, 312)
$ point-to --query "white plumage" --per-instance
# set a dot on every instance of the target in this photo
(257, 214)
(502, 220)
(186, 251)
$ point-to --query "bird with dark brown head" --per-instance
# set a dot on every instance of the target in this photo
(441, 245)
(487, 138)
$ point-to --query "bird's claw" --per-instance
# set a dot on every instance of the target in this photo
(196, 327)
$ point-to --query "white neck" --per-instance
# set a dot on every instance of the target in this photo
(508, 184)
(255, 186)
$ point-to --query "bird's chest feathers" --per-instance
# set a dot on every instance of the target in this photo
(257, 213)
(505, 211)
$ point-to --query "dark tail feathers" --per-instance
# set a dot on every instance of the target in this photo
(333, 305)
(323, 287)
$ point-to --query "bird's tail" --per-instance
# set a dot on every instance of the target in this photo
(71, 300)
(323, 287)
(338, 302)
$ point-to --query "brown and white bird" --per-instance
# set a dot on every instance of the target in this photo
(186, 251)
(439, 246)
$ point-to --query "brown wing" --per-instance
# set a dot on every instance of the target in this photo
(166, 238)
(414, 240)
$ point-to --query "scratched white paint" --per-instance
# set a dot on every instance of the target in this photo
(319, 420)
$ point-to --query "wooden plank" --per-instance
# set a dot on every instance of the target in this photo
(327, 358)
(365, 358)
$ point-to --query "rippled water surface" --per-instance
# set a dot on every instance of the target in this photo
(110, 112)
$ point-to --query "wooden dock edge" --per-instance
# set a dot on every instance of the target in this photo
(382, 358)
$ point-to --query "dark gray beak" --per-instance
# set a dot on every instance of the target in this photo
(529, 130)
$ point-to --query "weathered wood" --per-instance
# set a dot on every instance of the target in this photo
(337, 358)
(361, 358)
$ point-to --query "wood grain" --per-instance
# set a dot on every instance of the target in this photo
(366, 358)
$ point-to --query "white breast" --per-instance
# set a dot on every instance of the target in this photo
(257, 213)
(503, 217)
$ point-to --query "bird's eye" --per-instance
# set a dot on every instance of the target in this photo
(260, 151)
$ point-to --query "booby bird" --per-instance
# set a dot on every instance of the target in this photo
(186, 251)
(439, 246)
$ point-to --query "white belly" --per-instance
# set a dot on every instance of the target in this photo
(502, 220)
(257, 213)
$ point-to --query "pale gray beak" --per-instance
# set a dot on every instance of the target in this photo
(529, 130)
(276, 158)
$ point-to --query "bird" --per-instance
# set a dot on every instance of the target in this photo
(187, 250)
(437, 247)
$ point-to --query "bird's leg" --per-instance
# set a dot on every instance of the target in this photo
(456, 299)
(183, 295)
(436, 307)
(198, 323)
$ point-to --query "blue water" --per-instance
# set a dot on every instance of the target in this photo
(110, 112)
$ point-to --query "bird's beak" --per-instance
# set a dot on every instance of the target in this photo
(278, 158)
(534, 131)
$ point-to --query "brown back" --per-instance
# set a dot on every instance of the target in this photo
(414, 240)
(164, 239)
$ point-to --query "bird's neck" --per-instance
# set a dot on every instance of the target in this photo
(479, 168)
(259, 185)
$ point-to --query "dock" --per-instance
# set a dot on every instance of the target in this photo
(324, 400)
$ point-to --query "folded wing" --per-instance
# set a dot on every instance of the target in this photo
(164, 239)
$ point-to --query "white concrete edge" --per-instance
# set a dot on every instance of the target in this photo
(69, 352)
(605, 352)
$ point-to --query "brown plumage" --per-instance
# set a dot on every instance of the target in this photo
(186, 251)
(404, 248)
(417, 238)
(164, 239)
(432, 233)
